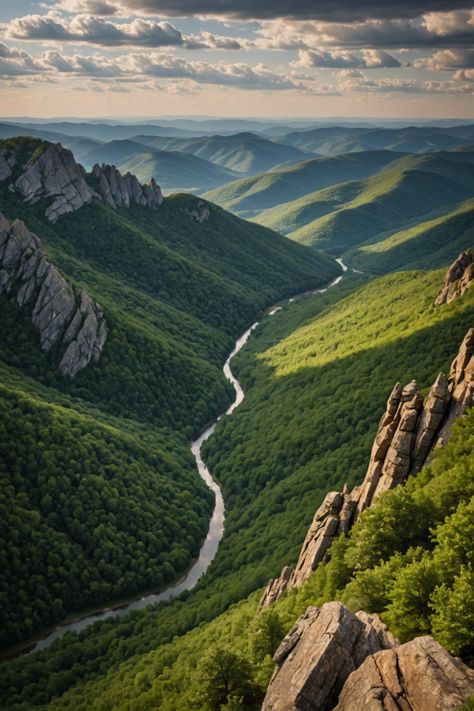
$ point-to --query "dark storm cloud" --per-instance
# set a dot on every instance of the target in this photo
(326, 10)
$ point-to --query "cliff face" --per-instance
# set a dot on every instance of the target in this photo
(116, 189)
(73, 322)
(407, 433)
(52, 173)
(335, 659)
(458, 279)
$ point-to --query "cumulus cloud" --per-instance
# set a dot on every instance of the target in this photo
(340, 11)
(94, 30)
(147, 64)
(369, 34)
(343, 59)
(447, 60)
(88, 29)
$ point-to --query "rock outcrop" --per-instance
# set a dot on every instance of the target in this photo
(119, 190)
(200, 213)
(459, 278)
(52, 173)
(408, 431)
(319, 653)
(7, 163)
(417, 676)
(63, 318)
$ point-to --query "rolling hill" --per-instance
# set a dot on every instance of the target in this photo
(175, 171)
(348, 214)
(244, 153)
(412, 139)
(248, 196)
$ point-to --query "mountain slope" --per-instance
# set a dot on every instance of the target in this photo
(98, 467)
(427, 244)
(413, 139)
(249, 196)
(176, 170)
(244, 153)
(311, 372)
(347, 214)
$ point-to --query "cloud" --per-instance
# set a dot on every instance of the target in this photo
(93, 30)
(407, 86)
(447, 60)
(343, 59)
(327, 10)
(87, 29)
(369, 34)
(14, 62)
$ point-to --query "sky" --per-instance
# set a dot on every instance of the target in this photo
(249, 58)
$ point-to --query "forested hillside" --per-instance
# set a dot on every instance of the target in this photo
(310, 372)
(412, 189)
(102, 498)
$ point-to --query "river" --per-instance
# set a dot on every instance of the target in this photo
(216, 524)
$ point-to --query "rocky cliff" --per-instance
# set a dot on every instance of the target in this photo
(66, 319)
(408, 431)
(121, 190)
(459, 278)
(335, 659)
(50, 172)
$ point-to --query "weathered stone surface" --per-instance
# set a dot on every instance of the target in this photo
(459, 278)
(320, 534)
(54, 174)
(319, 653)
(408, 431)
(417, 676)
(201, 213)
(275, 588)
(59, 316)
(121, 190)
(7, 163)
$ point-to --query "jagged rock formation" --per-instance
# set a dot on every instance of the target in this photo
(51, 172)
(117, 190)
(319, 653)
(408, 431)
(417, 676)
(63, 318)
(200, 213)
(459, 278)
(54, 174)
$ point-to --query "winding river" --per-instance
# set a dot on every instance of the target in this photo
(216, 524)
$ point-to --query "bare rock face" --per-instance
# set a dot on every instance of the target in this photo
(62, 318)
(319, 653)
(417, 676)
(408, 432)
(121, 190)
(7, 163)
(54, 174)
(459, 278)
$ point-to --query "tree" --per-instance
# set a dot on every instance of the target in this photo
(224, 676)
(267, 634)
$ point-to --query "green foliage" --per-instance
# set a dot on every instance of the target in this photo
(100, 487)
(225, 681)
(292, 439)
(425, 245)
(267, 634)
